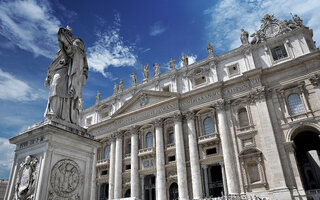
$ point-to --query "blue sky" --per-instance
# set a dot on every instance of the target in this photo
(120, 37)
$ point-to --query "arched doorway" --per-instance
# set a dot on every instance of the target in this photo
(307, 151)
(173, 192)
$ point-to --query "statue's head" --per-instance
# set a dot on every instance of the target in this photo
(27, 160)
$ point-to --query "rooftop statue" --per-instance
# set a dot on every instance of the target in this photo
(156, 68)
(210, 50)
(172, 64)
(133, 78)
(244, 37)
(115, 88)
(66, 75)
(121, 85)
(184, 60)
(98, 97)
(145, 72)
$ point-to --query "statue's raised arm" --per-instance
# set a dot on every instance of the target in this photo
(66, 75)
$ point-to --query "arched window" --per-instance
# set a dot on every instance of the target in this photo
(173, 191)
(149, 140)
(107, 152)
(295, 104)
(171, 138)
(243, 117)
(208, 125)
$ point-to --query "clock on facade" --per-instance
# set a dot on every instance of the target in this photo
(271, 30)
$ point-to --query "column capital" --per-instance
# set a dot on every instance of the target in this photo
(221, 163)
(158, 122)
(190, 115)
(204, 166)
(118, 134)
(220, 105)
(177, 117)
(134, 129)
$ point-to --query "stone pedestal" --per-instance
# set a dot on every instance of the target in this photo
(53, 160)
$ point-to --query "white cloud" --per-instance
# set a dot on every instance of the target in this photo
(191, 59)
(6, 158)
(229, 16)
(110, 50)
(14, 89)
(30, 25)
(157, 28)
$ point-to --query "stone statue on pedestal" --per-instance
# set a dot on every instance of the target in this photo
(156, 68)
(145, 72)
(172, 64)
(133, 78)
(244, 37)
(66, 75)
(121, 85)
(184, 60)
(210, 50)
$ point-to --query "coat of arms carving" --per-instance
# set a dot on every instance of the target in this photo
(26, 179)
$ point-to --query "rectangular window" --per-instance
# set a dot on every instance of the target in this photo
(166, 88)
(233, 69)
(253, 172)
(211, 151)
(171, 158)
(128, 167)
(199, 80)
(89, 121)
(279, 52)
(105, 172)
(104, 114)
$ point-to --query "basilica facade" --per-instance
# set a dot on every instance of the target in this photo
(242, 123)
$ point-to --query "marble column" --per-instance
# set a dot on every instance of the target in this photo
(134, 163)
(142, 186)
(205, 177)
(160, 161)
(224, 179)
(194, 157)
(111, 167)
(118, 168)
(181, 159)
(227, 149)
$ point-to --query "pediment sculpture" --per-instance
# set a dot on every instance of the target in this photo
(271, 27)
(66, 75)
(26, 179)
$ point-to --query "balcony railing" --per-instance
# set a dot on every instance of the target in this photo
(213, 137)
(103, 163)
(146, 151)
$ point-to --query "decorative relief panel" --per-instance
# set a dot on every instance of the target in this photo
(148, 163)
(65, 180)
(26, 179)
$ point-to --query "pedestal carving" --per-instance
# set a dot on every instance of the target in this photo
(65, 180)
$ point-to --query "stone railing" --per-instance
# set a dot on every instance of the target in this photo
(208, 138)
(103, 163)
(146, 152)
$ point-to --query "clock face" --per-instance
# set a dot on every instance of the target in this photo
(271, 30)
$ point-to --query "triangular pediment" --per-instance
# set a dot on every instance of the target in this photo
(145, 99)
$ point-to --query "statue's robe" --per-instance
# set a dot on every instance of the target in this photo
(67, 72)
